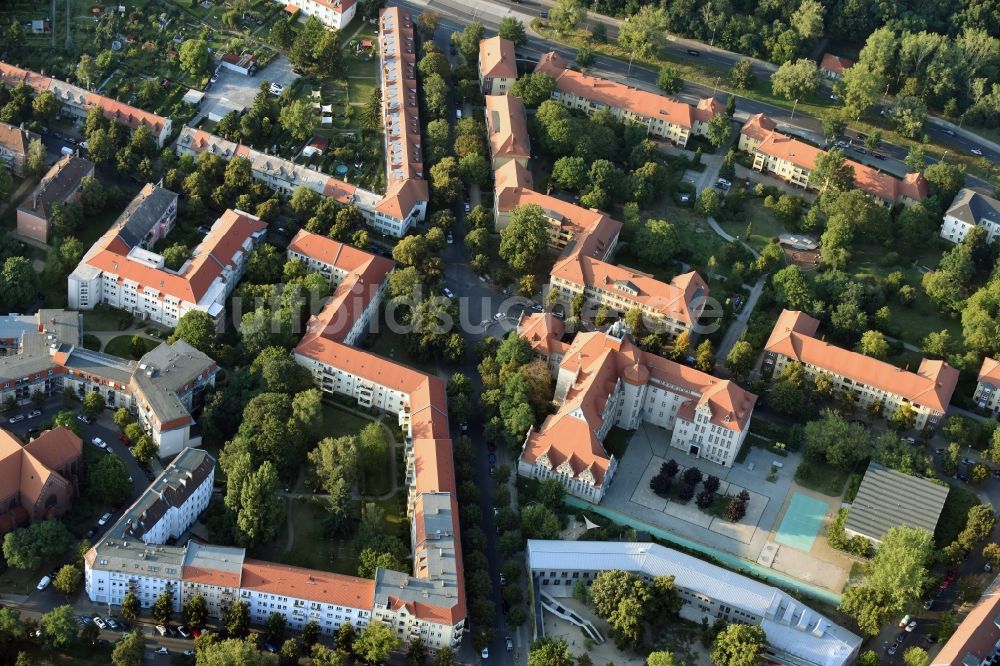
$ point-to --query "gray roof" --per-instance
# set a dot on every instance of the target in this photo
(971, 207)
(122, 549)
(216, 558)
(143, 212)
(60, 330)
(61, 181)
(887, 498)
(101, 365)
(790, 626)
(162, 372)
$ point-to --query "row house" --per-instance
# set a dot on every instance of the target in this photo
(120, 272)
(497, 66)
(664, 118)
(928, 390)
(794, 160)
(77, 101)
(604, 380)
(987, 395)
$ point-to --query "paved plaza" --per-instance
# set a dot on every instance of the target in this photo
(754, 537)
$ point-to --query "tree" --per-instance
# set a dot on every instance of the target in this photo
(740, 359)
(58, 627)
(229, 652)
(795, 80)
(128, 651)
(908, 116)
(903, 418)
(34, 161)
(45, 106)
(276, 627)
(87, 71)
(657, 241)
(195, 611)
(838, 442)
(539, 522)
(474, 168)
(260, 508)
(445, 181)
(525, 237)
(669, 80)
(916, 158)
(565, 14)
(720, 130)
(193, 56)
(739, 645)
(741, 74)
(238, 619)
(265, 265)
(6, 183)
(873, 344)
(916, 656)
(144, 449)
(109, 480)
(163, 607)
(832, 171)
(18, 283)
(645, 32)
(662, 659)
(704, 356)
(93, 404)
(861, 88)
(375, 642)
(533, 88)
(130, 607)
(195, 328)
(512, 30)
(28, 547)
(68, 579)
(548, 652)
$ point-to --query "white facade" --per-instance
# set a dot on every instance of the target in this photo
(331, 13)
(796, 634)
(969, 209)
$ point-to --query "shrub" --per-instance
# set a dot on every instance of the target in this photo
(685, 493)
(711, 484)
(669, 468)
(705, 499)
(692, 476)
(660, 484)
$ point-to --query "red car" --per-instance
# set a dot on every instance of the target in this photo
(124, 440)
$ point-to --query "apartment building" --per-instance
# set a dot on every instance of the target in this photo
(44, 353)
(120, 272)
(566, 220)
(40, 479)
(359, 281)
(928, 390)
(62, 185)
(987, 395)
(334, 14)
(971, 209)
(14, 142)
(430, 604)
(497, 65)
(796, 634)
(507, 130)
(663, 118)
(833, 66)
(794, 160)
(77, 101)
(604, 380)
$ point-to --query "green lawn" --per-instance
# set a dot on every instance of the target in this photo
(822, 478)
(360, 90)
(121, 346)
(391, 345)
(91, 342)
(104, 318)
(337, 422)
(764, 226)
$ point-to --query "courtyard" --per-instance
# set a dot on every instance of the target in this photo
(784, 526)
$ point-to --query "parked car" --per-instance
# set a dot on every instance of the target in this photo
(104, 519)
(536, 307)
(451, 239)
(91, 532)
(911, 626)
(968, 461)
(891, 650)
(161, 630)
(693, 52)
(99, 443)
(16, 419)
(99, 621)
(34, 413)
(188, 653)
(510, 644)
(938, 452)
(949, 132)
(84, 419)
(448, 292)
(43, 583)
(977, 152)
(113, 624)
(485, 654)
(277, 88)
(183, 632)
(162, 650)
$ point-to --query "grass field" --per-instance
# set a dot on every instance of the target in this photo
(338, 422)
(121, 346)
(103, 318)
(822, 478)
(764, 226)
(91, 342)
(391, 345)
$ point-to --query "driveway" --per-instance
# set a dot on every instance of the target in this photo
(234, 91)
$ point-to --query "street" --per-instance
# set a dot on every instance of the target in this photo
(455, 15)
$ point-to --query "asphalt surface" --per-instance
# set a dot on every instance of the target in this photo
(456, 14)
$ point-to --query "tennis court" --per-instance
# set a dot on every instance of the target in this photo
(802, 522)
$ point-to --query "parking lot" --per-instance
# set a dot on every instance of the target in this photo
(232, 90)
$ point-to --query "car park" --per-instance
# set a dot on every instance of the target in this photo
(99, 443)
(43, 583)
(99, 621)
(104, 519)
(16, 419)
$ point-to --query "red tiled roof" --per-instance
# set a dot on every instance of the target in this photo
(496, 58)
(311, 584)
(835, 64)
(931, 386)
(507, 127)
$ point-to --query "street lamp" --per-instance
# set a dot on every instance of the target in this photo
(793, 108)
(716, 86)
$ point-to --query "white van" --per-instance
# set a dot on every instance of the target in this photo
(458, 114)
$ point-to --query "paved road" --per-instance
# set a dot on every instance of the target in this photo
(455, 14)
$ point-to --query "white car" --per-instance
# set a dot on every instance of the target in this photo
(451, 239)
(976, 152)
(162, 650)
(43, 583)
(498, 316)
(485, 653)
(911, 626)
(100, 622)
(277, 89)
(33, 413)
(99, 443)
(102, 522)
(16, 419)
(448, 293)
(215, 77)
